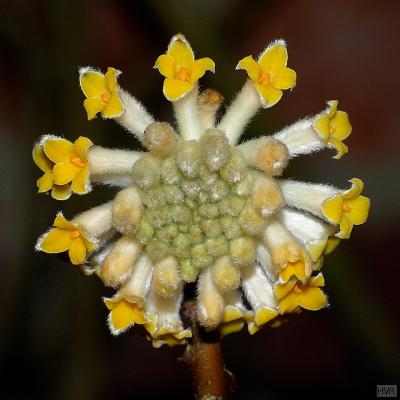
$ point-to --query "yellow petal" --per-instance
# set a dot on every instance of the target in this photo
(231, 313)
(77, 251)
(264, 315)
(321, 125)
(340, 147)
(231, 327)
(269, 95)
(289, 303)
(61, 222)
(92, 83)
(359, 209)
(124, 314)
(282, 289)
(45, 182)
(341, 124)
(274, 58)
(61, 192)
(317, 281)
(165, 64)
(111, 79)
(251, 66)
(331, 245)
(285, 79)
(346, 227)
(332, 209)
(312, 298)
(80, 183)
(113, 108)
(357, 186)
(81, 146)
(174, 89)
(58, 150)
(93, 106)
(199, 67)
(55, 241)
(40, 159)
(332, 108)
(180, 50)
(64, 173)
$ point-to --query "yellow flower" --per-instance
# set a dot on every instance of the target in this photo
(302, 295)
(65, 236)
(171, 334)
(269, 74)
(101, 92)
(123, 314)
(46, 181)
(180, 69)
(262, 316)
(334, 126)
(296, 267)
(64, 164)
(347, 209)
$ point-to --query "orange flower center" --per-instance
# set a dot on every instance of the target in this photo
(265, 78)
(332, 128)
(346, 207)
(74, 234)
(183, 74)
(298, 288)
(105, 96)
(77, 161)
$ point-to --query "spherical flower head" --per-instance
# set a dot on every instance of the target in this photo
(334, 127)
(180, 69)
(347, 209)
(66, 236)
(198, 207)
(64, 164)
(101, 91)
(269, 73)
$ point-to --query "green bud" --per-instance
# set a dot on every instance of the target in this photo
(196, 235)
(219, 190)
(188, 270)
(216, 149)
(210, 227)
(191, 188)
(230, 227)
(181, 245)
(217, 246)
(181, 214)
(243, 251)
(208, 211)
(173, 194)
(170, 173)
(154, 198)
(145, 231)
(188, 158)
(167, 233)
(200, 256)
(234, 169)
(146, 171)
(157, 250)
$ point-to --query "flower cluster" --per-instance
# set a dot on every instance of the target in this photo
(198, 206)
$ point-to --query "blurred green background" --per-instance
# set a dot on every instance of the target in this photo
(54, 342)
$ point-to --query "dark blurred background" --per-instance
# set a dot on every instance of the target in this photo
(54, 342)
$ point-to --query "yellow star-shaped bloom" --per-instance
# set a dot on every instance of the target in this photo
(334, 126)
(101, 93)
(66, 236)
(269, 74)
(64, 164)
(299, 295)
(180, 69)
(347, 209)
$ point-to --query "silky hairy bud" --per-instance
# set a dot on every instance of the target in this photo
(160, 138)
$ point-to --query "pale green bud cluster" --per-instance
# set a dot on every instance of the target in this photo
(198, 207)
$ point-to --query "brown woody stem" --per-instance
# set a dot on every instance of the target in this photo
(204, 358)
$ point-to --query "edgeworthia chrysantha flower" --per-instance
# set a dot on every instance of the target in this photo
(198, 206)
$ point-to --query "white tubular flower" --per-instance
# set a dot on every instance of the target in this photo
(259, 292)
(196, 208)
(163, 320)
(312, 232)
